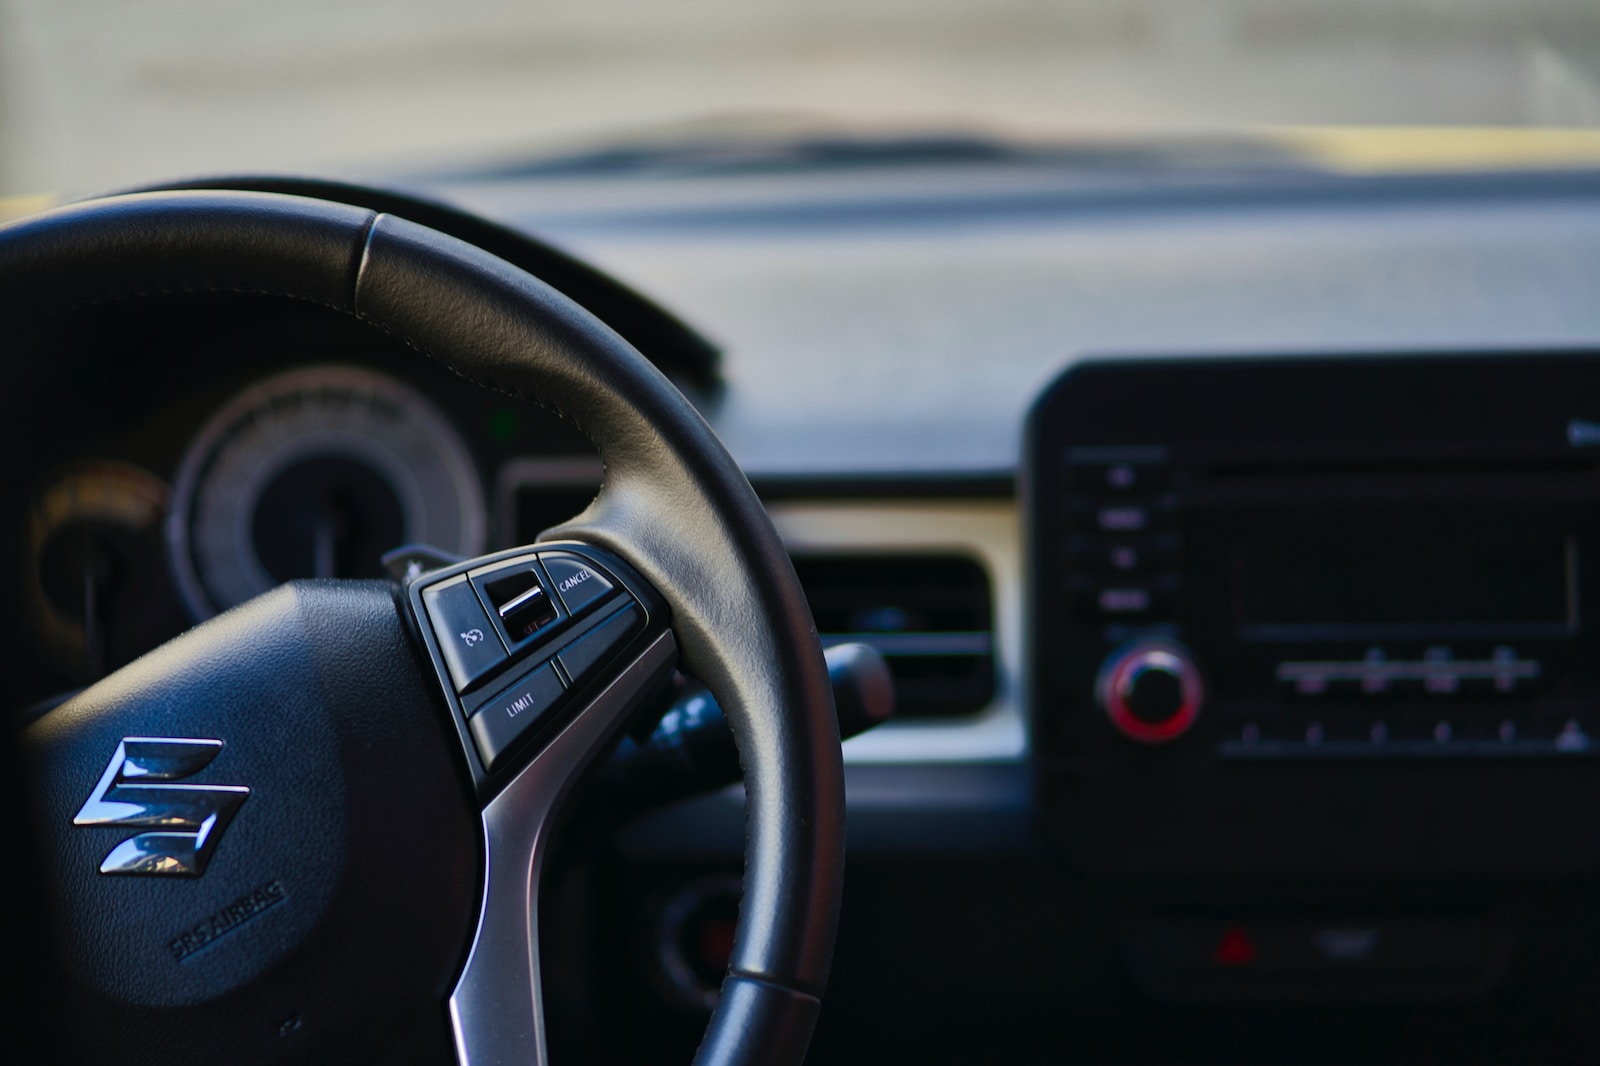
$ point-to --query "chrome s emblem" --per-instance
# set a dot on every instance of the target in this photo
(133, 791)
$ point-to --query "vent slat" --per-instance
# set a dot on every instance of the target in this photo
(929, 615)
(916, 643)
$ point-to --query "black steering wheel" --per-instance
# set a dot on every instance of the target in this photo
(324, 812)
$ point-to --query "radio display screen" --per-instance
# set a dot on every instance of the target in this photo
(1359, 577)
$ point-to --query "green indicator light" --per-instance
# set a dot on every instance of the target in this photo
(503, 425)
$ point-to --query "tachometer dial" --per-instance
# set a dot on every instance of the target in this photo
(317, 473)
(97, 583)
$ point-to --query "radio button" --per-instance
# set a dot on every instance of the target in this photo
(1573, 737)
(1568, 728)
(1140, 515)
(1127, 519)
(1123, 555)
(1128, 600)
(1132, 600)
(1119, 477)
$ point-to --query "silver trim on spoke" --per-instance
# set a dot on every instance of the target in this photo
(496, 1008)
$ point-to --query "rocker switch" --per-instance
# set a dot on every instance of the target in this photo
(577, 583)
(520, 600)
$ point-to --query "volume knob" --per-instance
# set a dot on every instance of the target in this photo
(1151, 690)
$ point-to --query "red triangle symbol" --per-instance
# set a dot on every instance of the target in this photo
(1235, 948)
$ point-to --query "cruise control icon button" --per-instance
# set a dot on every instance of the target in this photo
(577, 583)
(468, 642)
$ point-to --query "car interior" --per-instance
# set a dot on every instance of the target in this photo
(775, 595)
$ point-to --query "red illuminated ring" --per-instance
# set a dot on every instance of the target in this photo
(1123, 669)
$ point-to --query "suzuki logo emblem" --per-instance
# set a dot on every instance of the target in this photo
(134, 791)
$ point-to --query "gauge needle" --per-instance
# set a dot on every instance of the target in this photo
(91, 631)
(324, 541)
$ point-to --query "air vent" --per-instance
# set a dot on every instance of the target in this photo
(928, 614)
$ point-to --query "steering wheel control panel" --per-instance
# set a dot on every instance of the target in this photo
(1282, 606)
(517, 637)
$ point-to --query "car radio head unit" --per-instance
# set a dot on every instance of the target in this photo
(1261, 582)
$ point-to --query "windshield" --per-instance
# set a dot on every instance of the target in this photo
(100, 93)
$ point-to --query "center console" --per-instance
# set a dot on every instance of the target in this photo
(1317, 614)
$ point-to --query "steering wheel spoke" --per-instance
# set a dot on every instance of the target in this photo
(496, 1007)
(543, 654)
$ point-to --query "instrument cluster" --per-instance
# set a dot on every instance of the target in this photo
(269, 475)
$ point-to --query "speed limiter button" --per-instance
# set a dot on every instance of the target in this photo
(504, 720)
(467, 640)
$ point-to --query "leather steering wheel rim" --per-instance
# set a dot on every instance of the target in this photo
(674, 505)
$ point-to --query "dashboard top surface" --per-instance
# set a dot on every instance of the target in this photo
(862, 337)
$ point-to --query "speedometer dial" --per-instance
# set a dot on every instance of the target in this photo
(95, 580)
(317, 473)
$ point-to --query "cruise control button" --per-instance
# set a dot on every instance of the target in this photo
(517, 595)
(467, 639)
(578, 583)
(594, 647)
(509, 715)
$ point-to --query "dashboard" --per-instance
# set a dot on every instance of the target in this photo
(1231, 543)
